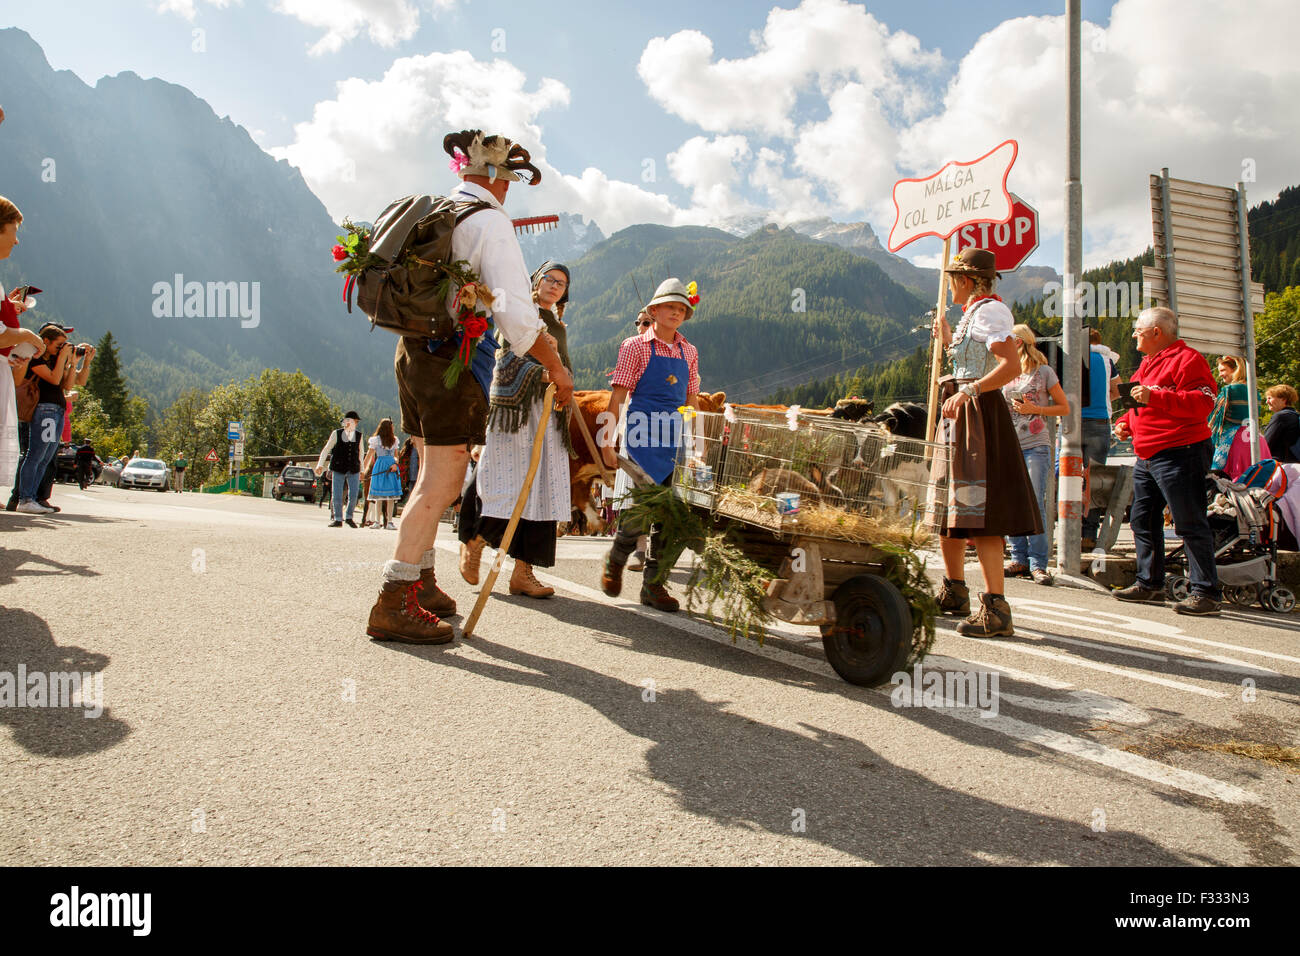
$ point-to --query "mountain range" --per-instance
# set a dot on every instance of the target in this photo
(209, 260)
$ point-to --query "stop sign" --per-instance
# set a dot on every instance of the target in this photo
(1011, 242)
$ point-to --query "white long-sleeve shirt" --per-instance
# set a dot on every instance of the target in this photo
(323, 462)
(486, 240)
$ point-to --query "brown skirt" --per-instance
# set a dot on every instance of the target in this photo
(981, 488)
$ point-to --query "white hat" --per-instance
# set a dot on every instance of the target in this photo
(672, 290)
(473, 154)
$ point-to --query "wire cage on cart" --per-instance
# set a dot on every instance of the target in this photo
(807, 474)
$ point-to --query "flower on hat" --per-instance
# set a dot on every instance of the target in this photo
(458, 160)
(693, 294)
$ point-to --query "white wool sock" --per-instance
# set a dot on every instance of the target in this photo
(400, 571)
(426, 562)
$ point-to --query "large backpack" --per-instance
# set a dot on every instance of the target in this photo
(408, 294)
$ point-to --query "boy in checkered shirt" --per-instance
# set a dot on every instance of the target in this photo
(659, 370)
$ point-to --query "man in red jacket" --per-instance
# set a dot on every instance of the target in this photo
(1171, 438)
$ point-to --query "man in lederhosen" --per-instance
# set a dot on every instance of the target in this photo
(444, 423)
(981, 489)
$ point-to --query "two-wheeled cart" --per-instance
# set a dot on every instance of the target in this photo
(830, 508)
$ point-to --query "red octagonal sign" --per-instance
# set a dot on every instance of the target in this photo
(1011, 242)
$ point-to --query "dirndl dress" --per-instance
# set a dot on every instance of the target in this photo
(385, 485)
(980, 487)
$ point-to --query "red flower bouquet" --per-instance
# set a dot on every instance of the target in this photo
(472, 325)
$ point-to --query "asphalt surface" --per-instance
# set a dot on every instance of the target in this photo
(247, 718)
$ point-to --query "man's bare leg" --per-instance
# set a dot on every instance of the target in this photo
(405, 610)
(442, 473)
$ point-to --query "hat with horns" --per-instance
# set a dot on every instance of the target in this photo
(473, 154)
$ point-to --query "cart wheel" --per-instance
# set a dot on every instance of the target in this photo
(1281, 599)
(872, 633)
(1177, 588)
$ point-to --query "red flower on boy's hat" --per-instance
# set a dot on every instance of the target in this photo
(339, 253)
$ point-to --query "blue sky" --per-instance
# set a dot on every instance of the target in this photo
(913, 85)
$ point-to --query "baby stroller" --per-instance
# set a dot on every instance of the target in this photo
(1245, 520)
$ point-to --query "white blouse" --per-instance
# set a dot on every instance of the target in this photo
(990, 323)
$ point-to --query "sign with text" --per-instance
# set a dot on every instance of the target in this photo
(1011, 242)
(955, 196)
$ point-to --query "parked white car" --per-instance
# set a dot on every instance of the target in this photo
(146, 473)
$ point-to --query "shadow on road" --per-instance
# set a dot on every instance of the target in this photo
(17, 563)
(66, 730)
(738, 772)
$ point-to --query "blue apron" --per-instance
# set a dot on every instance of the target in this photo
(662, 388)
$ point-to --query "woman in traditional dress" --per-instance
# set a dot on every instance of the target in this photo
(981, 490)
(385, 477)
(514, 408)
(1231, 409)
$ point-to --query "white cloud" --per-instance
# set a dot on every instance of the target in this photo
(708, 168)
(189, 8)
(386, 22)
(1159, 89)
(831, 42)
(377, 140)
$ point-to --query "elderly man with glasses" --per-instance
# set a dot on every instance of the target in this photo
(1175, 391)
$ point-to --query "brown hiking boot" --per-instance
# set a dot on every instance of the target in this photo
(657, 597)
(611, 578)
(433, 598)
(397, 616)
(470, 556)
(523, 581)
(954, 598)
(993, 619)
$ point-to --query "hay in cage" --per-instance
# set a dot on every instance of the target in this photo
(821, 521)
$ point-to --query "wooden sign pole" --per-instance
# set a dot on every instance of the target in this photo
(936, 348)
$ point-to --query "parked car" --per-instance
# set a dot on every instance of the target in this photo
(146, 473)
(111, 472)
(295, 482)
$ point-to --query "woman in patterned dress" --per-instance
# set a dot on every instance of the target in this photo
(514, 408)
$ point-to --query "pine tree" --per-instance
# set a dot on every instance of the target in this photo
(106, 382)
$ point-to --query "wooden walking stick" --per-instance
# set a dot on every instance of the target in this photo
(936, 350)
(547, 403)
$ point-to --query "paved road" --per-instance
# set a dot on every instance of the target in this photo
(248, 719)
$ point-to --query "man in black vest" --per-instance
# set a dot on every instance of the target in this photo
(343, 452)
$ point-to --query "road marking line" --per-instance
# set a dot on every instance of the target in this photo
(1094, 665)
(1165, 630)
(1063, 743)
(1195, 658)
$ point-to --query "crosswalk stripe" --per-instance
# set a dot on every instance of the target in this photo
(1093, 665)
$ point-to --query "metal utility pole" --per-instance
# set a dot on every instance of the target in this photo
(1248, 317)
(1070, 488)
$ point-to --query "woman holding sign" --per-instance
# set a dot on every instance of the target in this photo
(980, 489)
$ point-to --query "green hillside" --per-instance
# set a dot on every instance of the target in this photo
(775, 306)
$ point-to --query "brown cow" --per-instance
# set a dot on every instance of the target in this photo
(584, 472)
